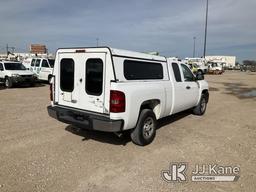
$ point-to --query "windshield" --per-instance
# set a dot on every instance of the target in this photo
(14, 66)
(51, 62)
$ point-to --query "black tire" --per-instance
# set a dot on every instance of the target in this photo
(8, 82)
(145, 130)
(200, 72)
(33, 84)
(201, 107)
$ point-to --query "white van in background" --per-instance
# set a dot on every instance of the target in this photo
(42, 67)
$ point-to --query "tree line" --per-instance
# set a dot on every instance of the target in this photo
(249, 62)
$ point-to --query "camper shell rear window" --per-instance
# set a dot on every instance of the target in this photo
(67, 73)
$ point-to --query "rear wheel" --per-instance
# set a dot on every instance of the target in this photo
(145, 130)
(8, 82)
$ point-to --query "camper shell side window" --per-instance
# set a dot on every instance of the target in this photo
(142, 70)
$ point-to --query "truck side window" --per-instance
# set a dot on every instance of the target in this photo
(37, 62)
(67, 67)
(176, 71)
(1, 67)
(33, 62)
(137, 70)
(94, 76)
(51, 62)
(45, 64)
(188, 75)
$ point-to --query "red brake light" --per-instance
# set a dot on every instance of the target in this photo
(80, 51)
(51, 95)
(117, 101)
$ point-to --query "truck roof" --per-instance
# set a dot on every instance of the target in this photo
(117, 53)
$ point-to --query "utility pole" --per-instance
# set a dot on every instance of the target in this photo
(97, 40)
(12, 48)
(7, 50)
(206, 25)
(194, 50)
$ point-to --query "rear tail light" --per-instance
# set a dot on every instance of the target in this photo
(51, 94)
(117, 101)
(52, 87)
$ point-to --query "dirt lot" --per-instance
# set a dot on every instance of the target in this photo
(38, 153)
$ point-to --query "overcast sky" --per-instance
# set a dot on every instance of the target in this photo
(166, 26)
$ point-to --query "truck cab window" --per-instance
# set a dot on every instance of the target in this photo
(1, 67)
(45, 64)
(33, 62)
(51, 62)
(176, 72)
(67, 75)
(94, 76)
(37, 62)
(188, 75)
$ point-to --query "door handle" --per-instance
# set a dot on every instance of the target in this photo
(188, 87)
(80, 80)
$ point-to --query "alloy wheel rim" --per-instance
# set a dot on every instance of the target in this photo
(203, 105)
(148, 127)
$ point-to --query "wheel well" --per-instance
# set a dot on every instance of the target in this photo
(206, 93)
(154, 105)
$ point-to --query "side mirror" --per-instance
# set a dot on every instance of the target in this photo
(199, 76)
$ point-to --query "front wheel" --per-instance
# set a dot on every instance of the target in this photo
(201, 107)
(145, 130)
(8, 82)
(200, 72)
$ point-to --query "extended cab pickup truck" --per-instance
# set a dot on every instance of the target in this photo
(115, 90)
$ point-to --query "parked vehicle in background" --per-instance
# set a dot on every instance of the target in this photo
(42, 67)
(243, 68)
(194, 68)
(198, 63)
(253, 68)
(215, 68)
(114, 90)
(12, 73)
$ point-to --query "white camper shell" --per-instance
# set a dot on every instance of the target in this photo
(114, 90)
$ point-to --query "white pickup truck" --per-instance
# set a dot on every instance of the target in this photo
(115, 90)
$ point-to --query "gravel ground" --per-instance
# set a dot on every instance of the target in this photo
(37, 153)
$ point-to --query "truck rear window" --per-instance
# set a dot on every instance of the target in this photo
(137, 70)
(67, 75)
(94, 76)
